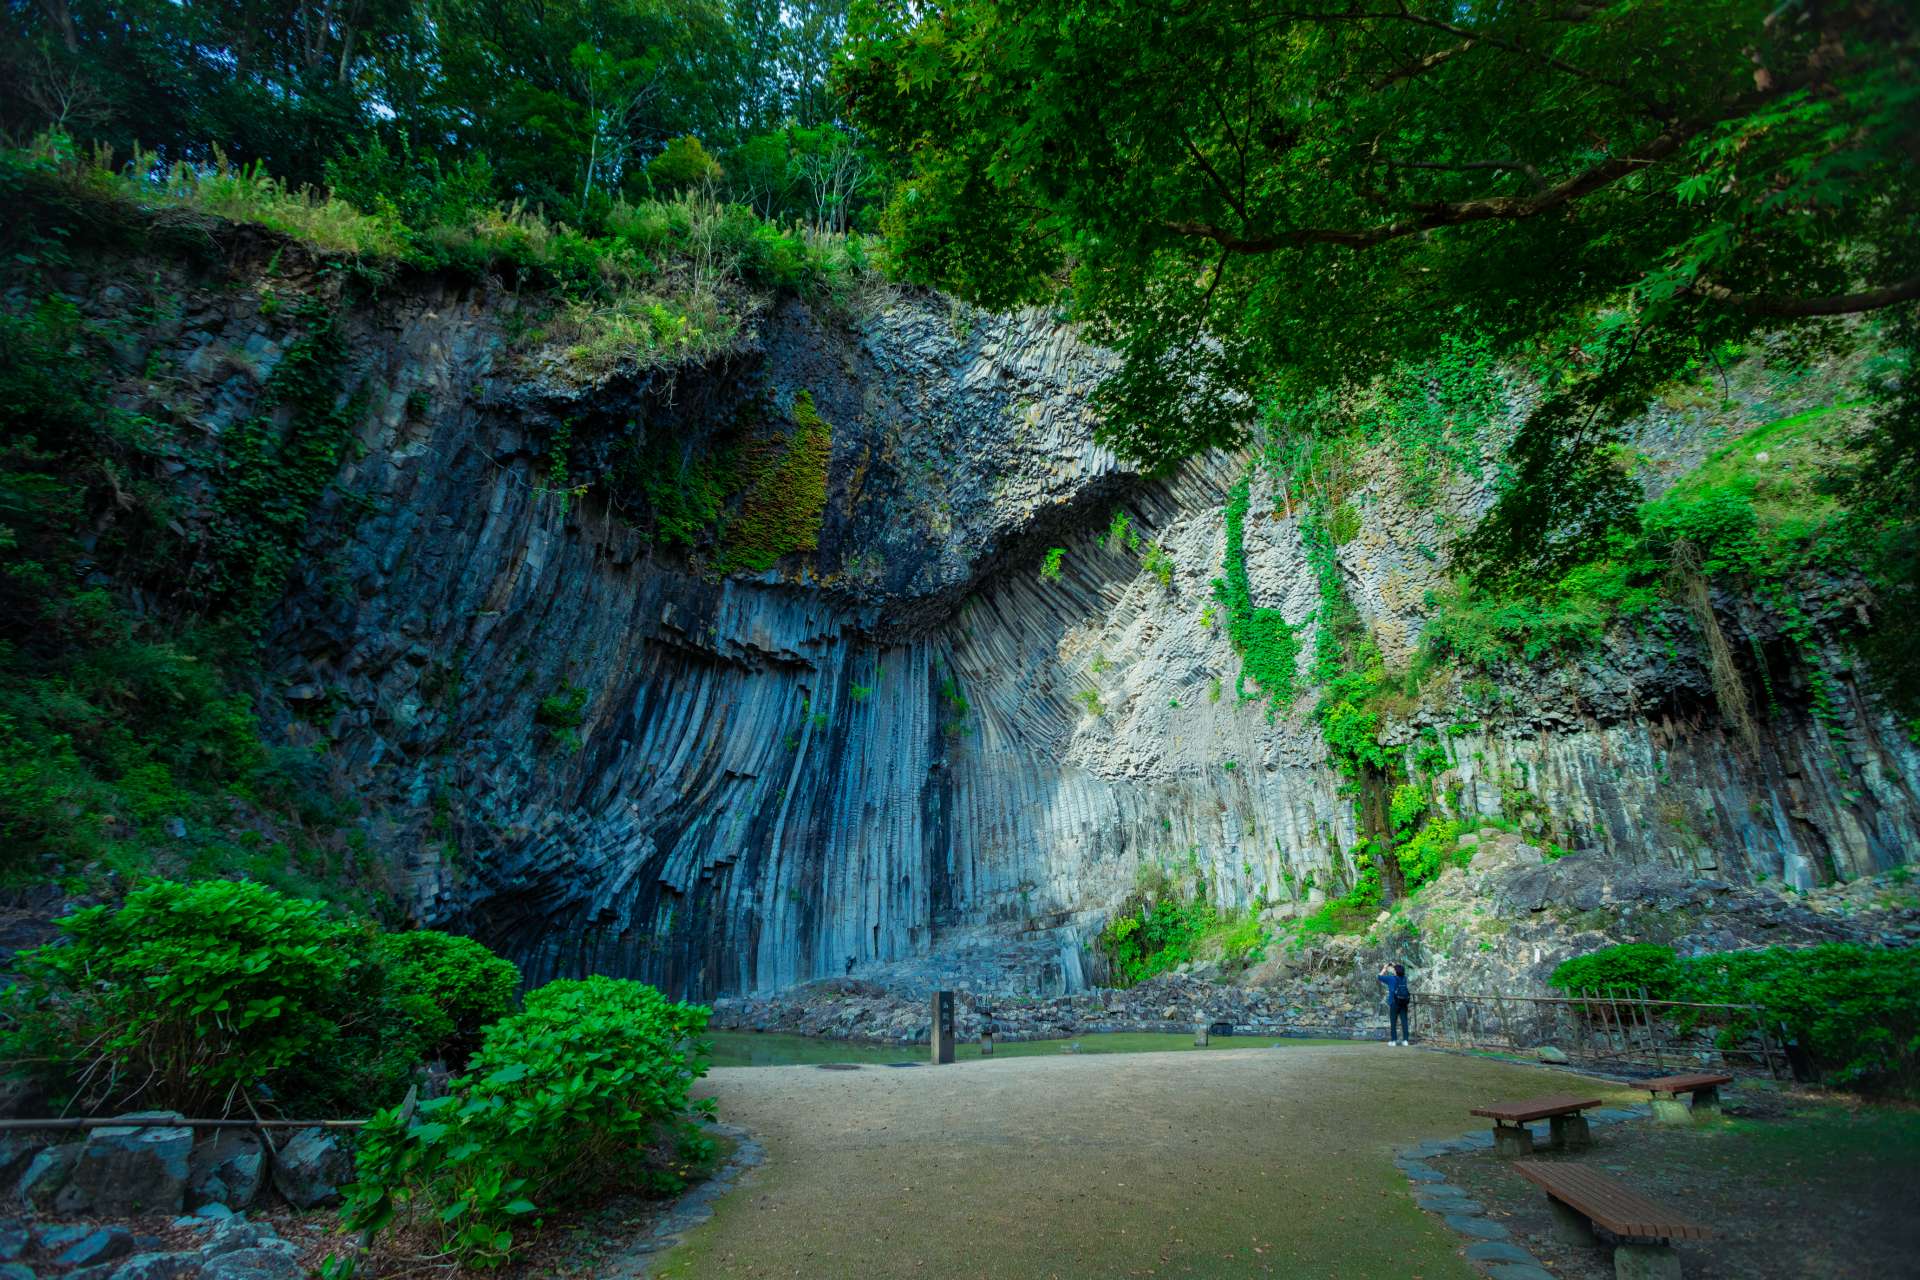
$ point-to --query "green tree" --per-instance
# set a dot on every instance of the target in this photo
(1296, 198)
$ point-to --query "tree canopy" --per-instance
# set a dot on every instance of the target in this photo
(563, 104)
(1256, 201)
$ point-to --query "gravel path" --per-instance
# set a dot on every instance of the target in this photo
(1240, 1163)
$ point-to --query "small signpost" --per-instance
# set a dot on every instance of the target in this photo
(942, 1027)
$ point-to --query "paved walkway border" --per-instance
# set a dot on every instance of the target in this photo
(694, 1207)
(1490, 1246)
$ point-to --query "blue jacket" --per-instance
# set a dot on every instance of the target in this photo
(1397, 989)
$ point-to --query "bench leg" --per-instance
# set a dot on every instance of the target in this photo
(1570, 1226)
(1645, 1262)
(1672, 1110)
(1570, 1133)
(1706, 1103)
(1512, 1140)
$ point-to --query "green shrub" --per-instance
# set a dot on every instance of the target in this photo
(221, 995)
(1163, 925)
(583, 1091)
(1855, 1009)
(467, 983)
(183, 997)
(1430, 851)
(1632, 966)
(1268, 645)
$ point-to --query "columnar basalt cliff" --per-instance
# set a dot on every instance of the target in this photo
(904, 750)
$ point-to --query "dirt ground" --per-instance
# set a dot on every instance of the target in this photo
(1248, 1162)
(1792, 1187)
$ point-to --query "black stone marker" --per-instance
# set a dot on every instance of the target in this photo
(942, 1027)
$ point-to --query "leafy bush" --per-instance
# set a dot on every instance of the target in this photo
(466, 983)
(584, 1090)
(1855, 1009)
(1162, 926)
(1632, 966)
(223, 995)
(1430, 851)
(1268, 645)
(183, 997)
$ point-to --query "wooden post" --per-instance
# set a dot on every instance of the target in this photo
(1659, 1054)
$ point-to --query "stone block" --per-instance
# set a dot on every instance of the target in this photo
(1645, 1262)
(46, 1174)
(1497, 1251)
(1673, 1111)
(89, 1246)
(17, 1151)
(129, 1169)
(255, 1264)
(158, 1266)
(1570, 1133)
(1570, 1226)
(1512, 1140)
(310, 1169)
(227, 1169)
(1478, 1228)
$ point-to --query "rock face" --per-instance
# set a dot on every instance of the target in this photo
(228, 1169)
(128, 1169)
(906, 754)
(310, 1168)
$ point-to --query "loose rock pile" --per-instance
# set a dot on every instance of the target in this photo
(151, 1172)
(1497, 926)
(222, 1245)
(854, 1010)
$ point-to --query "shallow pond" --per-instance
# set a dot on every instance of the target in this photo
(774, 1049)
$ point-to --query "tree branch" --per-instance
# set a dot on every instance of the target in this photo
(1420, 66)
(1839, 304)
(1429, 217)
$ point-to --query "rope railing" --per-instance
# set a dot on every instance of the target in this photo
(170, 1122)
(1615, 1027)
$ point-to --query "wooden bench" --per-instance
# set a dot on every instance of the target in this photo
(1582, 1199)
(1561, 1110)
(1670, 1108)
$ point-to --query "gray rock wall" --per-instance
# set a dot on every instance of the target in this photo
(878, 752)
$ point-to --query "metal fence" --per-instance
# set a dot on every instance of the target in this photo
(1607, 1028)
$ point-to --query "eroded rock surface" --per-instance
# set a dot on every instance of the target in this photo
(906, 753)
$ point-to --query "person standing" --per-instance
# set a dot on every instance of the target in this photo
(1399, 997)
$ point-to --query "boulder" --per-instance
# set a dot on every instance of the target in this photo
(129, 1169)
(158, 1266)
(17, 1151)
(227, 1169)
(84, 1246)
(46, 1175)
(1549, 1053)
(255, 1264)
(310, 1169)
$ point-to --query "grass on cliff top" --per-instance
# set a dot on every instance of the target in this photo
(653, 283)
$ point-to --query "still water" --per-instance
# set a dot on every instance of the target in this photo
(773, 1049)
